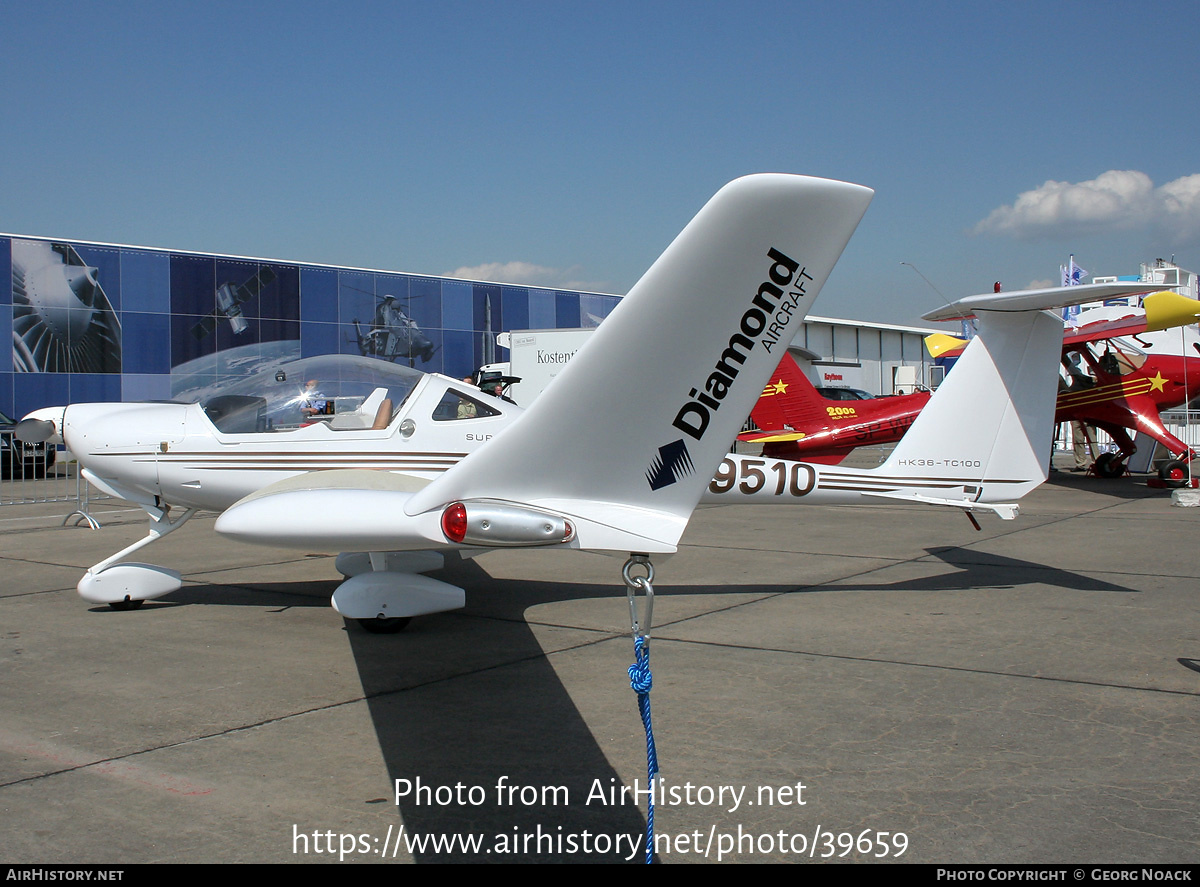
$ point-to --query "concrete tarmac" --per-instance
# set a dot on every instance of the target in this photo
(870, 684)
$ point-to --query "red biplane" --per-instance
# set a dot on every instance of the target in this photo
(798, 423)
(1118, 373)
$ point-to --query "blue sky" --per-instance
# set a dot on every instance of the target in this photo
(567, 143)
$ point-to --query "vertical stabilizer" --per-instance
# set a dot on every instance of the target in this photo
(993, 417)
(789, 401)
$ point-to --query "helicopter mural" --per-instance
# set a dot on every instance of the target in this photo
(393, 335)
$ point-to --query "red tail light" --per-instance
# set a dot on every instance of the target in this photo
(454, 522)
(491, 524)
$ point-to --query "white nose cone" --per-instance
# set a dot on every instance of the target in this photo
(122, 428)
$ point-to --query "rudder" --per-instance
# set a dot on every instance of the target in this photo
(992, 418)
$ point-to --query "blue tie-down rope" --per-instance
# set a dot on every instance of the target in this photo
(641, 681)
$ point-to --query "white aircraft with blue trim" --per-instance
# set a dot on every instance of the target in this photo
(398, 471)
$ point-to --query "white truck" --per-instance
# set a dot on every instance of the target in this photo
(535, 357)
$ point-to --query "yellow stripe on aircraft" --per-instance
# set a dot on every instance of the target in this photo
(1113, 391)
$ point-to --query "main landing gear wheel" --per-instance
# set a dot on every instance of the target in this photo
(126, 604)
(380, 625)
(1109, 465)
(1174, 474)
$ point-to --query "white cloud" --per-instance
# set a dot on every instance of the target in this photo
(1116, 200)
(1181, 203)
(526, 274)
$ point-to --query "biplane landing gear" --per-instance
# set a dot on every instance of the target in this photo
(1109, 465)
(1174, 474)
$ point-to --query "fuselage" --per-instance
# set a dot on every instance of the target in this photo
(798, 421)
(1120, 387)
(176, 453)
(1162, 379)
(770, 480)
(848, 424)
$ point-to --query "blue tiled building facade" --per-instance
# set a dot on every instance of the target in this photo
(98, 322)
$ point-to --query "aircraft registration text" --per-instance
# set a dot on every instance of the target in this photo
(941, 463)
(792, 478)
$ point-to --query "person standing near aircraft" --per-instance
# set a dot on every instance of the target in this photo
(1084, 439)
(1083, 436)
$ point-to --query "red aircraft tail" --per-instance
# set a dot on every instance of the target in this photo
(789, 401)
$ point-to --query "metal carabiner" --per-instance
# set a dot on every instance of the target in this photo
(633, 584)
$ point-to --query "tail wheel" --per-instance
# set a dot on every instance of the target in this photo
(1174, 473)
(1109, 465)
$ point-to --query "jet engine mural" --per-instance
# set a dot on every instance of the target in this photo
(62, 320)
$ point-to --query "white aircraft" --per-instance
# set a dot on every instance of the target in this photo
(613, 456)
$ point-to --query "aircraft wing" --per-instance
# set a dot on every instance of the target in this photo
(626, 438)
(944, 345)
(351, 509)
(1027, 300)
(1163, 310)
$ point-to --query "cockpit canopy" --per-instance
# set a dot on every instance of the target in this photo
(345, 391)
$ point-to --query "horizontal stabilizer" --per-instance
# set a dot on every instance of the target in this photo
(1004, 510)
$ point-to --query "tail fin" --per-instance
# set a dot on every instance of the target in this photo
(625, 439)
(989, 425)
(789, 401)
